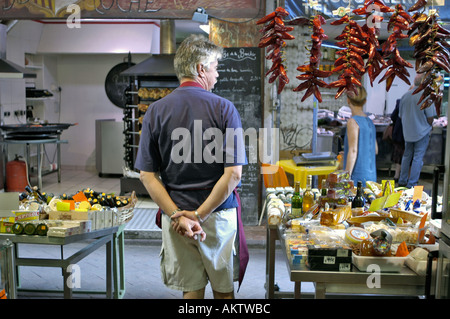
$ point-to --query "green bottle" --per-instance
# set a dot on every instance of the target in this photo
(296, 202)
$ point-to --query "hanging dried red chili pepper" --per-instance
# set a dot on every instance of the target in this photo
(431, 51)
(311, 71)
(375, 62)
(353, 40)
(398, 22)
(275, 34)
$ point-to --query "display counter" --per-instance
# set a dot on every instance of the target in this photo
(61, 220)
(354, 282)
(378, 240)
(112, 238)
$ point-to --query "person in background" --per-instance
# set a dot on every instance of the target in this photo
(195, 191)
(360, 145)
(397, 140)
(417, 126)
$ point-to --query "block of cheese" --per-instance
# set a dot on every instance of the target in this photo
(355, 235)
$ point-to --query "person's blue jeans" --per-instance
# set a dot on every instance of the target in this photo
(413, 158)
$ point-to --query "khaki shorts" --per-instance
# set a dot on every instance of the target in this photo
(188, 264)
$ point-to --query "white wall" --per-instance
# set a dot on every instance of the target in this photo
(100, 37)
(80, 76)
(84, 100)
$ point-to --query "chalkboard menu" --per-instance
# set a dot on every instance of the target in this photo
(240, 82)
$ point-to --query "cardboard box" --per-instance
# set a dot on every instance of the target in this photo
(25, 215)
(75, 215)
(6, 227)
(329, 258)
(63, 231)
(64, 228)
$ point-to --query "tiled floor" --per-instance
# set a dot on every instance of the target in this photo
(141, 255)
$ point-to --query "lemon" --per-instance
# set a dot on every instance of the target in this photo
(84, 205)
(96, 207)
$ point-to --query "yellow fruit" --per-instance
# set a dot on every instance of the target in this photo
(84, 205)
(96, 207)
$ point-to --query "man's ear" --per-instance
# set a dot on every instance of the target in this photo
(200, 69)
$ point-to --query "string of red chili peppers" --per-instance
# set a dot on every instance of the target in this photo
(431, 51)
(275, 34)
(312, 73)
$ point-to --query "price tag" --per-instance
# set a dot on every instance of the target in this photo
(418, 190)
(438, 3)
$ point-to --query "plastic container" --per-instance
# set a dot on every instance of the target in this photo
(417, 260)
(386, 264)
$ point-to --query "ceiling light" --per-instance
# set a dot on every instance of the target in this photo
(200, 16)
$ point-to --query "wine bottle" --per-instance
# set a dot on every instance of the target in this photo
(296, 202)
(308, 196)
(42, 229)
(34, 192)
(323, 194)
(29, 229)
(359, 199)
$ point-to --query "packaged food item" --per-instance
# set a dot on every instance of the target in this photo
(338, 176)
(275, 207)
(336, 258)
(335, 216)
(366, 247)
(382, 241)
(355, 235)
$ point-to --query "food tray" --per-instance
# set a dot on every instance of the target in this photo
(386, 264)
(364, 219)
(409, 216)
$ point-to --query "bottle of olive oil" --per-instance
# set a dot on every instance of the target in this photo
(308, 196)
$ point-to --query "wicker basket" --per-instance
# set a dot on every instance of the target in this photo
(125, 214)
(409, 216)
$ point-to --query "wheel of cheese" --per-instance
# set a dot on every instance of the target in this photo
(354, 235)
(53, 204)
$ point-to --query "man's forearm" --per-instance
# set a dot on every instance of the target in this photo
(157, 192)
(221, 191)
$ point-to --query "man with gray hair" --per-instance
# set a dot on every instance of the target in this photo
(201, 208)
(417, 126)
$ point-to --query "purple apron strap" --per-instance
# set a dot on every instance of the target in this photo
(158, 218)
(243, 249)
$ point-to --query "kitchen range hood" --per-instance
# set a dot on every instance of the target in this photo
(8, 69)
(158, 64)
